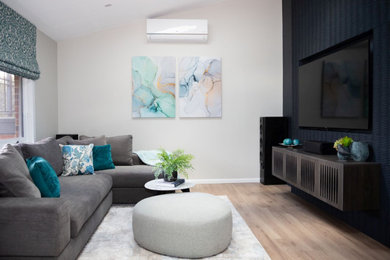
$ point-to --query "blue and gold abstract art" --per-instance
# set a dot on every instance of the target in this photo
(153, 86)
(200, 92)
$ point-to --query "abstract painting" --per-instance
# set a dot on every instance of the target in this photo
(154, 81)
(200, 92)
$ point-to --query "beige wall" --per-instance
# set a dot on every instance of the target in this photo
(46, 91)
(94, 86)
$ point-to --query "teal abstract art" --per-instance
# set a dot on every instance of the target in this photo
(153, 86)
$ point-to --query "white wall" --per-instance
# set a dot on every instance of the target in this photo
(94, 81)
(46, 91)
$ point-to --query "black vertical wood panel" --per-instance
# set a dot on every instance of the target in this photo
(315, 26)
(287, 56)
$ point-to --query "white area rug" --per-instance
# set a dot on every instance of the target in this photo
(114, 240)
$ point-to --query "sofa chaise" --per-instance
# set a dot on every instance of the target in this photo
(59, 228)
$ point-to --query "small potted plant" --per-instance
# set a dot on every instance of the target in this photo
(172, 163)
(343, 148)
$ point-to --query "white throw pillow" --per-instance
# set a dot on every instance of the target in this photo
(78, 159)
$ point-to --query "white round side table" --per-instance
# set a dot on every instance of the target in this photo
(161, 186)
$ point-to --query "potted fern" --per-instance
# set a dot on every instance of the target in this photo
(343, 147)
(172, 163)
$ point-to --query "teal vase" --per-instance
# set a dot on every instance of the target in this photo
(359, 151)
(343, 153)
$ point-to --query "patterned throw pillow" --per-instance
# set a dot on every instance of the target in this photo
(77, 159)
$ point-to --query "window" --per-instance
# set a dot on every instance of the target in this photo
(11, 108)
(15, 108)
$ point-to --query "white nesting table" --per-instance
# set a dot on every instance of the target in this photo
(156, 186)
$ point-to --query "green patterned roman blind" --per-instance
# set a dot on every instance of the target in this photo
(18, 44)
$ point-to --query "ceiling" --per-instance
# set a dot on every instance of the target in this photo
(64, 19)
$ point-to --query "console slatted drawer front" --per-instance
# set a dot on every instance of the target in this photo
(308, 174)
(343, 185)
(329, 184)
(277, 164)
(291, 168)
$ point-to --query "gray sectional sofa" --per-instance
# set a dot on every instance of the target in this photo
(59, 228)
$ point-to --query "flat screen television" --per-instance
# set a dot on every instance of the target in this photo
(334, 87)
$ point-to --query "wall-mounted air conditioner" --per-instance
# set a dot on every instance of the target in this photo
(179, 30)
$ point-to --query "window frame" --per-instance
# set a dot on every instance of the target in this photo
(28, 113)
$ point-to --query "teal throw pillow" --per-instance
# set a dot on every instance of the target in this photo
(102, 159)
(44, 177)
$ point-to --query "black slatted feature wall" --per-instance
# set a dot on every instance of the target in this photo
(312, 26)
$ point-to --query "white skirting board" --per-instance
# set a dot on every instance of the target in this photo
(214, 181)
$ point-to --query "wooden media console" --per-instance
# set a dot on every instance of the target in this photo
(346, 185)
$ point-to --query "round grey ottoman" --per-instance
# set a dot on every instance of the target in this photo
(190, 225)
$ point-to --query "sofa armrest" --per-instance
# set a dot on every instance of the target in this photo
(136, 159)
(33, 226)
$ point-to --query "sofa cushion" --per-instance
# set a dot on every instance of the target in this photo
(100, 140)
(121, 148)
(48, 149)
(18, 148)
(83, 194)
(129, 176)
(15, 178)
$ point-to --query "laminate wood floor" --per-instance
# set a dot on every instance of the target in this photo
(288, 227)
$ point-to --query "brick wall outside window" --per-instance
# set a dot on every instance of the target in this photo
(10, 106)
